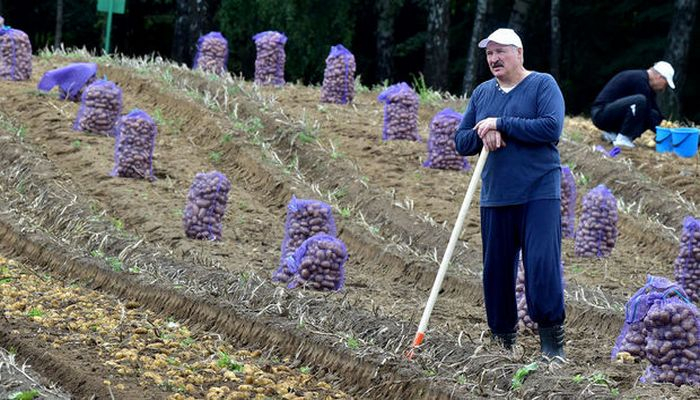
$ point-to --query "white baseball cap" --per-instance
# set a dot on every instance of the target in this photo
(505, 37)
(666, 70)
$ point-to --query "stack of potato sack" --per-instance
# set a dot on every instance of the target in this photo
(270, 58)
(339, 77)
(15, 55)
(400, 112)
(597, 227)
(133, 150)
(71, 80)
(442, 153)
(99, 109)
(206, 206)
(568, 202)
(212, 53)
(687, 264)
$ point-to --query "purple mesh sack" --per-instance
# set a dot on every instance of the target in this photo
(305, 218)
(2, 22)
(687, 264)
(597, 226)
(633, 335)
(568, 202)
(270, 58)
(99, 108)
(673, 341)
(15, 55)
(442, 153)
(133, 149)
(400, 112)
(319, 263)
(212, 53)
(71, 80)
(206, 206)
(524, 320)
(339, 76)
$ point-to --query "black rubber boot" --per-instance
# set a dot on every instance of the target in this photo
(552, 341)
(507, 340)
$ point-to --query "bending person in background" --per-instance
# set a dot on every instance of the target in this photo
(518, 115)
(626, 106)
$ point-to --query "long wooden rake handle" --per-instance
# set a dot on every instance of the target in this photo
(456, 231)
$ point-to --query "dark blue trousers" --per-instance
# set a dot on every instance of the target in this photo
(534, 228)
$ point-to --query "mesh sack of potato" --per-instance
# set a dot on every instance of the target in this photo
(305, 218)
(524, 320)
(319, 263)
(71, 80)
(339, 76)
(442, 153)
(400, 113)
(15, 55)
(270, 58)
(206, 206)
(633, 335)
(687, 264)
(133, 148)
(568, 202)
(212, 53)
(597, 227)
(673, 341)
(100, 108)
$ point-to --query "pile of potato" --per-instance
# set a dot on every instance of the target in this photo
(400, 112)
(319, 263)
(206, 206)
(339, 76)
(568, 202)
(305, 218)
(133, 154)
(597, 228)
(15, 55)
(212, 53)
(270, 58)
(673, 342)
(687, 264)
(442, 153)
(100, 108)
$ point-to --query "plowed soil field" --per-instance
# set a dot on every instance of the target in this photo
(118, 245)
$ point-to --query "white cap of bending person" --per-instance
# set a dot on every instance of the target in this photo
(504, 36)
(666, 70)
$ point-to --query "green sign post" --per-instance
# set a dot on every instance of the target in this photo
(110, 7)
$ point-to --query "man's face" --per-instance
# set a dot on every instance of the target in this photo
(657, 82)
(503, 59)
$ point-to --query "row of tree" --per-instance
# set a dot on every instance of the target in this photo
(582, 44)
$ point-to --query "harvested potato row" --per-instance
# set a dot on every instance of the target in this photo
(99, 109)
(15, 55)
(568, 202)
(597, 228)
(270, 58)
(212, 53)
(319, 263)
(133, 154)
(442, 153)
(305, 218)
(206, 206)
(339, 76)
(687, 264)
(400, 113)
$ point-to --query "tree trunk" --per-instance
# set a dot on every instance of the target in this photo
(387, 11)
(555, 39)
(472, 56)
(181, 37)
(58, 37)
(436, 46)
(519, 14)
(679, 37)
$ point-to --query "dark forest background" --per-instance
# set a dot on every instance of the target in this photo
(581, 42)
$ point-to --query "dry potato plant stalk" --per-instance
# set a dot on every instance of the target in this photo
(99, 108)
(400, 113)
(15, 55)
(442, 153)
(133, 150)
(206, 206)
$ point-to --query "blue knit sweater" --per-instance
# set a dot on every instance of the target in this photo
(530, 119)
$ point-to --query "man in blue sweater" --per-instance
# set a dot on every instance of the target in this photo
(626, 106)
(518, 115)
